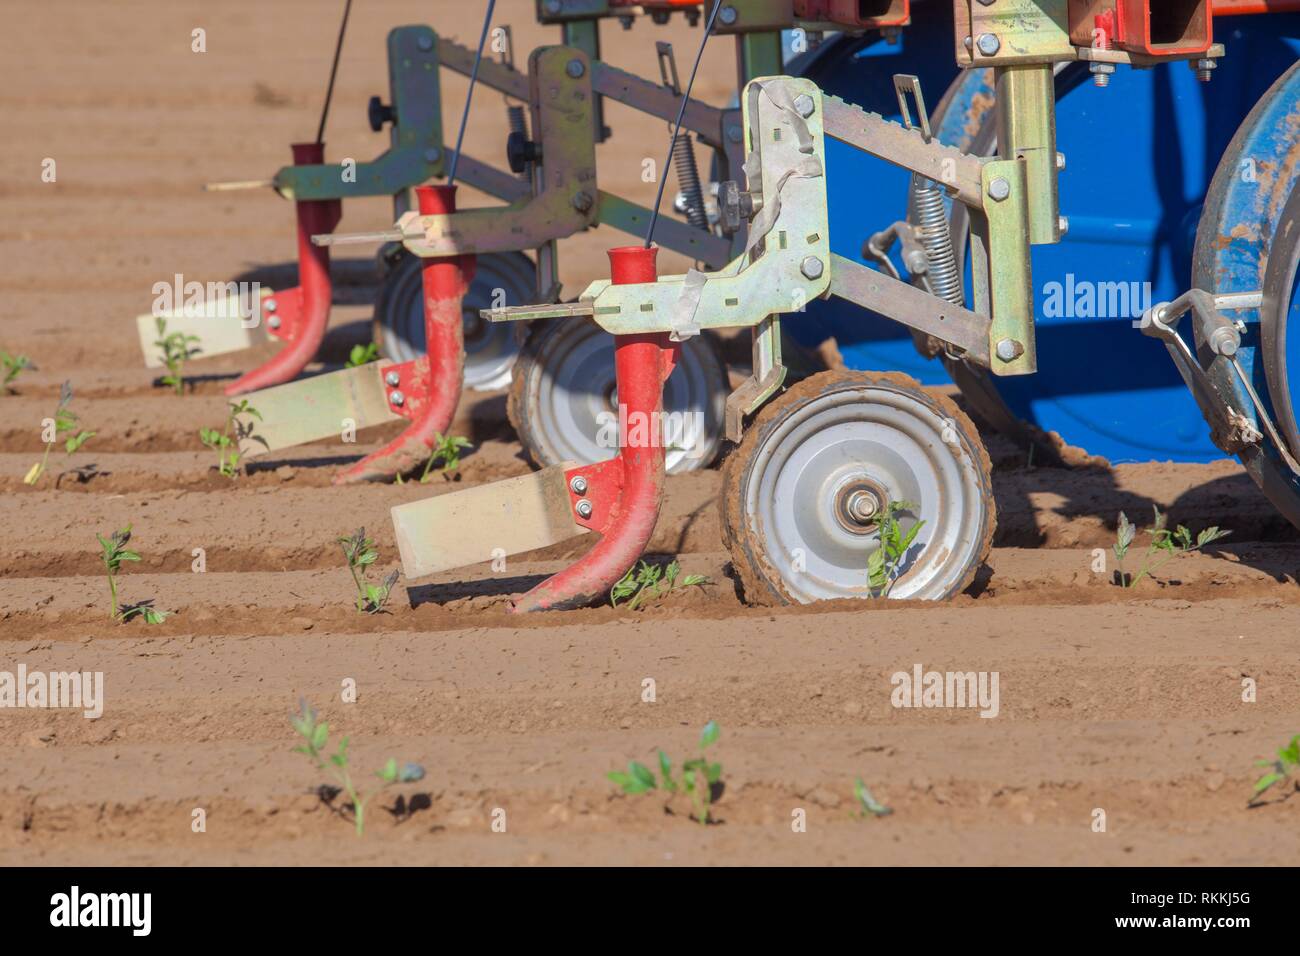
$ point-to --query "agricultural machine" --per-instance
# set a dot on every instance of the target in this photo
(937, 244)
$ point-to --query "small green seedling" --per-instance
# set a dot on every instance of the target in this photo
(63, 422)
(13, 365)
(226, 442)
(885, 563)
(1280, 770)
(1164, 547)
(867, 805)
(447, 449)
(361, 553)
(177, 348)
(647, 581)
(699, 777)
(362, 355)
(114, 552)
(315, 737)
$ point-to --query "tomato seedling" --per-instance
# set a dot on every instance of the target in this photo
(362, 355)
(315, 735)
(1164, 547)
(176, 348)
(647, 581)
(868, 806)
(1280, 770)
(447, 449)
(360, 552)
(63, 422)
(226, 442)
(13, 365)
(699, 777)
(113, 552)
(885, 563)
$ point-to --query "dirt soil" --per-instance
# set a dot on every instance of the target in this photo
(1124, 701)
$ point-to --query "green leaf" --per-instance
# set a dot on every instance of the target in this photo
(320, 734)
(641, 775)
(868, 803)
(710, 734)
(389, 773)
(713, 772)
(1267, 781)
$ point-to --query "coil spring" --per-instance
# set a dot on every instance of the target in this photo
(930, 219)
(688, 180)
(518, 121)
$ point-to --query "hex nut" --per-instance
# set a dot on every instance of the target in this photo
(999, 189)
(811, 267)
(988, 44)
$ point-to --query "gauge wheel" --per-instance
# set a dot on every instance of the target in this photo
(803, 492)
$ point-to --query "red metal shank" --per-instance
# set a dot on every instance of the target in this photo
(430, 385)
(627, 492)
(306, 308)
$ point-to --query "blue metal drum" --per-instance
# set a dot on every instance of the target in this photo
(1140, 154)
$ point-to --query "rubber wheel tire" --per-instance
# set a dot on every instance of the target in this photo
(759, 580)
(490, 350)
(547, 337)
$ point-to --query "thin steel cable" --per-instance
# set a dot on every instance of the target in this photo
(334, 69)
(469, 96)
(681, 111)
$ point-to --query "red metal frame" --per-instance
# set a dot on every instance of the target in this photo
(303, 311)
(851, 13)
(1126, 25)
(431, 384)
(626, 492)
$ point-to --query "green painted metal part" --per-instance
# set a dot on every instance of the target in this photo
(788, 264)
(1026, 118)
(1000, 267)
(415, 154)
(757, 16)
(567, 201)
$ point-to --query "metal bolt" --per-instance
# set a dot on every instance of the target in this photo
(273, 321)
(583, 508)
(575, 68)
(1009, 350)
(582, 201)
(1224, 341)
(735, 133)
(554, 6)
(425, 43)
(917, 262)
(1060, 161)
(986, 3)
(393, 379)
(811, 267)
(804, 105)
(988, 44)
(862, 506)
(1101, 73)
(432, 154)
(397, 398)
(728, 15)
(999, 189)
(1062, 225)
(578, 485)
(1204, 69)
(269, 305)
